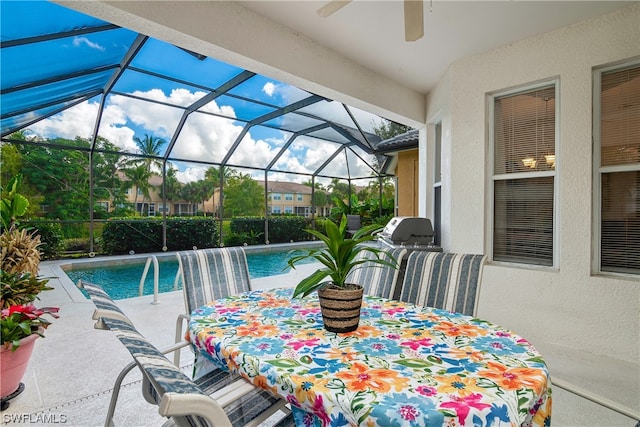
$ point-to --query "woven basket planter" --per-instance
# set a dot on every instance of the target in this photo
(341, 308)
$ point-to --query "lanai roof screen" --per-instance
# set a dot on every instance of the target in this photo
(68, 75)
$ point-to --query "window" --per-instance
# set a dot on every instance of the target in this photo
(523, 134)
(277, 196)
(288, 209)
(617, 165)
(288, 196)
(276, 209)
(299, 197)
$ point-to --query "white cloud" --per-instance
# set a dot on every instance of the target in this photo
(191, 173)
(79, 41)
(269, 88)
(204, 137)
(76, 121)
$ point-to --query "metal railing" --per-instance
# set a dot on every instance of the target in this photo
(156, 277)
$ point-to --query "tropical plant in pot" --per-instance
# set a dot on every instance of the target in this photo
(20, 321)
(340, 301)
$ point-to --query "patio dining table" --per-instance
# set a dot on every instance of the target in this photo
(405, 365)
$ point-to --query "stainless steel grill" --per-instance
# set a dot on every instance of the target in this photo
(410, 232)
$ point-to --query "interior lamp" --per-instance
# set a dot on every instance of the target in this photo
(530, 162)
(551, 160)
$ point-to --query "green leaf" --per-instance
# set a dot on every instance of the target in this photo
(414, 363)
(284, 363)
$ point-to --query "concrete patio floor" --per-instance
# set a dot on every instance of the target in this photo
(71, 373)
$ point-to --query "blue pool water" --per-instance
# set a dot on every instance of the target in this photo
(123, 281)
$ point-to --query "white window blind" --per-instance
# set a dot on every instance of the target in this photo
(620, 170)
(524, 141)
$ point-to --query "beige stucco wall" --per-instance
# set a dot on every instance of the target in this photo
(567, 305)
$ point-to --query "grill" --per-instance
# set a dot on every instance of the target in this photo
(410, 232)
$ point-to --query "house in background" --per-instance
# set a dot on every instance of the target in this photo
(291, 198)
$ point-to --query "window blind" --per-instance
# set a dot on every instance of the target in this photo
(525, 132)
(620, 189)
(524, 176)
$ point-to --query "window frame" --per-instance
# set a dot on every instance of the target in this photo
(492, 177)
(598, 170)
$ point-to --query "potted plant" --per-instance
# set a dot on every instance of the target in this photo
(340, 301)
(20, 321)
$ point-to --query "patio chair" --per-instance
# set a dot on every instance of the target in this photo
(378, 280)
(209, 274)
(443, 280)
(354, 223)
(215, 400)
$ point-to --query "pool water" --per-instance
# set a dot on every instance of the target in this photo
(123, 281)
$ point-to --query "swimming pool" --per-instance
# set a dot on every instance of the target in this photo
(122, 280)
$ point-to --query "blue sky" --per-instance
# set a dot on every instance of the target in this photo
(207, 134)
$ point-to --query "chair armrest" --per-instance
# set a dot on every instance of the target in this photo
(179, 335)
(180, 404)
(175, 347)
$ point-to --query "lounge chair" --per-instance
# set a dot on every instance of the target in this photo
(443, 280)
(218, 399)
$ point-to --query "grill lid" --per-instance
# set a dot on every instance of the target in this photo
(408, 230)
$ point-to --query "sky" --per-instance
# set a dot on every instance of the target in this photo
(207, 134)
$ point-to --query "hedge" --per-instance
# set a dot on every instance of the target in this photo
(282, 229)
(120, 236)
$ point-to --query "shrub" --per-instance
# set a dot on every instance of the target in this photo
(145, 235)
(50, 236)
(282, 229)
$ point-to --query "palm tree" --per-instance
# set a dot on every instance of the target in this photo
(150, 147)
(139, 178)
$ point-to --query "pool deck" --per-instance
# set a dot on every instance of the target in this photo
(71, 373)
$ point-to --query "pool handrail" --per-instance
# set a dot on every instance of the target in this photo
(156, 275)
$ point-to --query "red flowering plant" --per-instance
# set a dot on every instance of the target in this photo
(19, 265)
(20, 321)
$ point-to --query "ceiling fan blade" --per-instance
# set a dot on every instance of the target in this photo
(413, 20)
(332, 7)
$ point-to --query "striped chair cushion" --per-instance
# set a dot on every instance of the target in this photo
(378, 280)
(160, 376)
(443, 280)
(210, 274)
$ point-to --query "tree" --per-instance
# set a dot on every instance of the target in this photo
(212, 175)
(340, 190)
(107, 184)
(243, 196)
(151, 147)
(389, 129)
(59, 176)
(172, 186)
(192, 192)
(139, 178)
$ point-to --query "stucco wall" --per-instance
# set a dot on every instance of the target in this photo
(565, 306)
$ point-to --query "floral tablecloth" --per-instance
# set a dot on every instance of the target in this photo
(404, 365)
